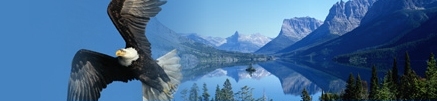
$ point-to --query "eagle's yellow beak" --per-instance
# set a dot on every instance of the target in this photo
(120, 53)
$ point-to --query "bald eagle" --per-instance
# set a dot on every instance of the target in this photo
(93, 71)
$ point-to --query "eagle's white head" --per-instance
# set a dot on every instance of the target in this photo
(126, 56)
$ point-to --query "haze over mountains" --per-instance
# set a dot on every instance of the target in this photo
(237, 42)
(193, 53)
(244, 43)
(368, 29)
(207, 40)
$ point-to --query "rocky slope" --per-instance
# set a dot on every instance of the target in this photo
(292, 30)
(342, 18)
(400, 22)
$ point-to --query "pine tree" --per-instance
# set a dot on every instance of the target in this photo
(263, 98)
(200, 98)
(373, 84)
(305, 95)
(245, 94)
(389, 78)
(431, 76)
(409, 82)
(184, 93)
(394, 79)
(350, 88)
(323, 97)
(391, 85)
(329, 97)
(360, 92)
(395, 75)
(218, 94)
(227, 93)
(405, 85)
(205, 93)
(420, 89)
(194, 93)
(408, 69)
(384, 92)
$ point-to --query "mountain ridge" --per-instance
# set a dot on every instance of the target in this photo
(385, 29)
(292, 30)
(208, 40)
(342, 18)
(244, 43)
(192, 53)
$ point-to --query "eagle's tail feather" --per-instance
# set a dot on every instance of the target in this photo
(170, 63)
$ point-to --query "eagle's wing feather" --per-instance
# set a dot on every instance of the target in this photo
(160, 79)
(130, 17)
(170, 63)
(91, 72)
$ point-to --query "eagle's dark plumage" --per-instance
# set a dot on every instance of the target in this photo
(92, 71)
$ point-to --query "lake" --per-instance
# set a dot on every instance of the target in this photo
(283, 80)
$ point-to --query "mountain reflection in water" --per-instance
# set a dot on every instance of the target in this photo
(278, 80)
(284, 80)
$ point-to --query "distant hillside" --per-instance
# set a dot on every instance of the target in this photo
(207, 40)
(419, 43)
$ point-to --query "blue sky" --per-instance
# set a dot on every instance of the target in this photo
(40, 37)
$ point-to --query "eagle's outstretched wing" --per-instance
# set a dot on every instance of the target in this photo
(130, 17)
(91, 72)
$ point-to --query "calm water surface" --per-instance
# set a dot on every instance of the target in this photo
(281, 80)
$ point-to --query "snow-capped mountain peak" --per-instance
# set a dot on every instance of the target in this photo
(256, 39)
(245, 43)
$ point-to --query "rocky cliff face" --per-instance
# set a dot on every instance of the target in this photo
(292, 30)
(389, 26)
(342, 18)
(345, 16)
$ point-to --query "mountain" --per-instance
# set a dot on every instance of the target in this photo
(294, 77)
(419, 43)
(292, 30)
(239, 73)
(387, 7)
(207, 40)
(244, 43)
(342, 18)
(406, 26)
(192, 53)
